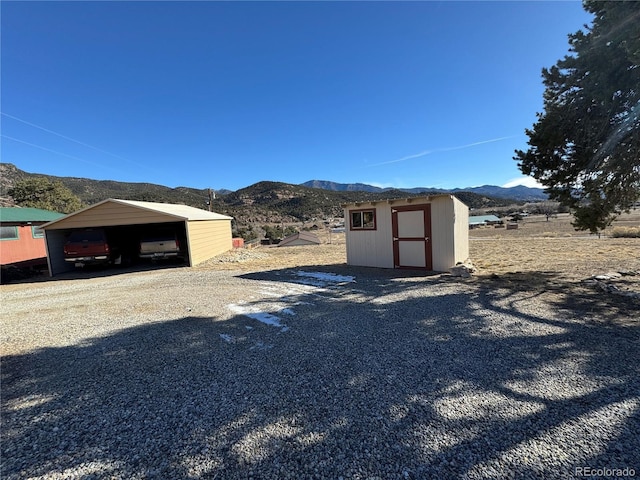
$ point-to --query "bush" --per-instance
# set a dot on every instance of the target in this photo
(625, 232)
(246, 233)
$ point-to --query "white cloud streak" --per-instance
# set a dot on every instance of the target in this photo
(66, 138)
(61, 136)
(437, 150)
(53, 151)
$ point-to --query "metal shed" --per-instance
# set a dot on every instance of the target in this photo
(207, 234)
(428, 233)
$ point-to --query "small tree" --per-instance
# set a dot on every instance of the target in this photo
(548, 209)
(246, 233)
(43, 193)
(272, 233)
(290, 231)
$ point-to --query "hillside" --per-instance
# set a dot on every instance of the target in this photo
(93, 191)
(291, 202)
(263, 202)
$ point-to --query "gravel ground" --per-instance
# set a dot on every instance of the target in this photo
(364, 374)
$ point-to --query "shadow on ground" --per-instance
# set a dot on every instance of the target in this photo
(390, 376)
(97, 271)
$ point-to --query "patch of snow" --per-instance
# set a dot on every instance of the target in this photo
(263, 317)
(313, 283)
(286, 290)
(261, 346)
(279, 299)
(269, 293)
(226, 337)
(321, 279)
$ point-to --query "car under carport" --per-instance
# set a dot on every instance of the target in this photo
(206, 234)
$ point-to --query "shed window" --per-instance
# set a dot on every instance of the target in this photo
(8, 233)
(363, 219)
(37, 232)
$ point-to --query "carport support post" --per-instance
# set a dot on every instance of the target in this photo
(186, 229)
(54, 245)
(46, 246)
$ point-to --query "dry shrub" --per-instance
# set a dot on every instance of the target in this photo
(625, 232)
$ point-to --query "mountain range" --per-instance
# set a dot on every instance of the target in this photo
(518, 193)
(264, 202)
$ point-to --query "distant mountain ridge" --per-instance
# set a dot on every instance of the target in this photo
(519, 192)
(343, 187)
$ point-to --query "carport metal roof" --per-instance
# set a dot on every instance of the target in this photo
(179, 212)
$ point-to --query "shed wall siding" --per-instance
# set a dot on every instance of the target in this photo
(442, 246)
(461, 231)
(371, 248)
(111, 214)
(208, 239)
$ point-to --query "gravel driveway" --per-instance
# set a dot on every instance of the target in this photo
(335, 373)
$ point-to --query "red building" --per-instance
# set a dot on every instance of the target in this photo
(21, 240)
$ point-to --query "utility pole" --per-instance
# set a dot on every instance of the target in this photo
(212, 197)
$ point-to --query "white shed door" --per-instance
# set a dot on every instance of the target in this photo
(411, 227)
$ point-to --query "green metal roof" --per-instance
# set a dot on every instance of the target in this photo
(25, 215)
(480, 219)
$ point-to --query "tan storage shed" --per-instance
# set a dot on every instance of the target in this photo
(429, 233)
(207, 234)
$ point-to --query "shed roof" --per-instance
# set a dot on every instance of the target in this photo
(308, 237)
(180, 212)
(392, 200)
(481, 219)
(26, 215)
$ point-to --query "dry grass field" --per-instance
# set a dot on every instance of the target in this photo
(554, 246)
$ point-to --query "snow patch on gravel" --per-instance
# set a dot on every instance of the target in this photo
(320, 279)
(283, 297)
(260, 316)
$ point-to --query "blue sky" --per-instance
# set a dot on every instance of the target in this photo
(226, 94)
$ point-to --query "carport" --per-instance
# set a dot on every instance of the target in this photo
(206, 234)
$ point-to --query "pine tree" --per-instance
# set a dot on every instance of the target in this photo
(45, 194)
(585, 146)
